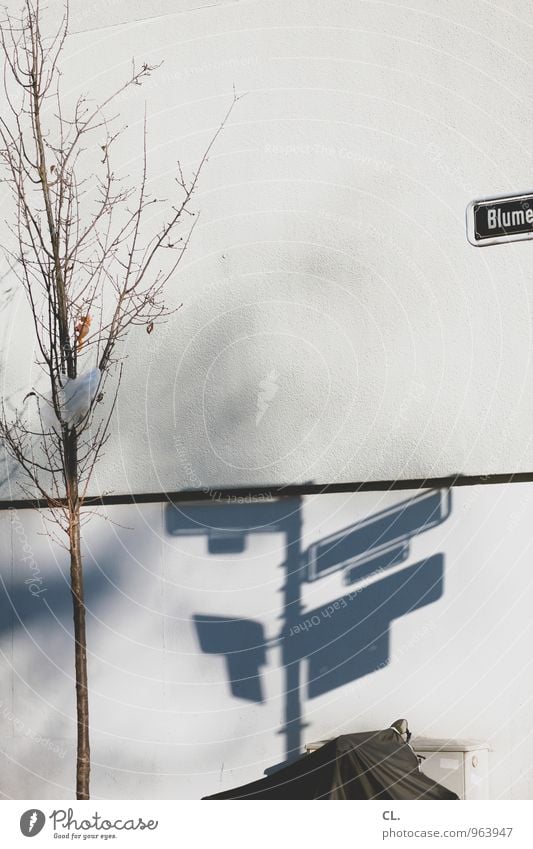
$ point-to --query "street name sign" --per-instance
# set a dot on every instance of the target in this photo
(500, 219)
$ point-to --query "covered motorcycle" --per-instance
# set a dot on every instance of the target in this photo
(368, 765)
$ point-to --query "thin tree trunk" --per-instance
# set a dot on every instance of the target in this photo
(68, 260)
(83, 763)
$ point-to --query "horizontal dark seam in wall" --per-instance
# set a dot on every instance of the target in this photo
(229, 495)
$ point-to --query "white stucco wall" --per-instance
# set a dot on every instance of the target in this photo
(329, 276)
(165, 723)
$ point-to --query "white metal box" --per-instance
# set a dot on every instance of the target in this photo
(460, 765)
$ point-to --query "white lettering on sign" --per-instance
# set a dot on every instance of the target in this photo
(497, 218)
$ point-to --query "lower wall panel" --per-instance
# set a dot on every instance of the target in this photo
(223, 637)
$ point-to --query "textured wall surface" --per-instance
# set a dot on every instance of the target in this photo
(198, 616)
(336, 325)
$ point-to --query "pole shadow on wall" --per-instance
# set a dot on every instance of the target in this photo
(341, 641)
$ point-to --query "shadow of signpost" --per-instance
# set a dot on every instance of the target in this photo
(341, 641)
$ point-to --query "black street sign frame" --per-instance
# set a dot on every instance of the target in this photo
(499, 219)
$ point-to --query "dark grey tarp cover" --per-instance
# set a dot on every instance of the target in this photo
(370, 765)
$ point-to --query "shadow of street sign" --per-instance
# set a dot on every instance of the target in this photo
(350, 636)
(242, 642)
(341, 641)
(383, 536)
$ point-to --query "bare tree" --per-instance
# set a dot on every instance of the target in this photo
(90, 271)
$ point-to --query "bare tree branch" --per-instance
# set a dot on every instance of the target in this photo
(92, 266)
